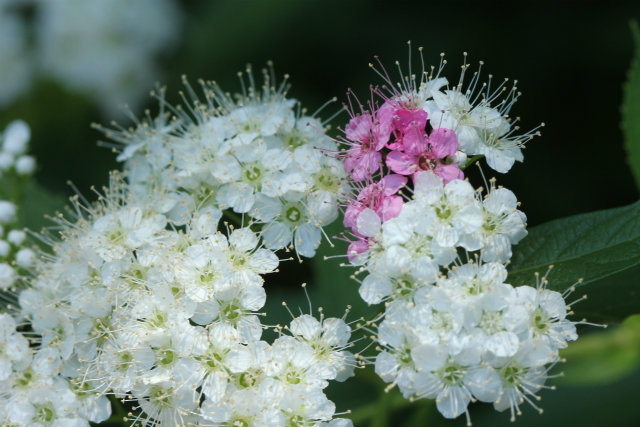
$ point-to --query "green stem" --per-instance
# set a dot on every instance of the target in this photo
(472, 161)
(118, 412)
(233, 217)
(377, 413)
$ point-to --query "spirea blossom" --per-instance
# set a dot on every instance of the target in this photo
(434, 248)
(256, 156)
(147, 295)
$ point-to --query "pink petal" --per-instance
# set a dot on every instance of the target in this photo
(359, 128)
(392, 183)
(351, 216)
(449, 172)
(363, 166)
(356, 248)
(443, 142)
(405, 117)
(401, 163)
(382, 127)
(391, 207)
(414, 140)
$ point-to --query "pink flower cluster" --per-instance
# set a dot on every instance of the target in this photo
(397, 135)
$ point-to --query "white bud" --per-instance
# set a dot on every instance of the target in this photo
(4, 248)
(25, 165)
(6, 161)
(25, 257)
(7, 211)
(460, 158)
(16, 237)
(7, 275)
(16, 137)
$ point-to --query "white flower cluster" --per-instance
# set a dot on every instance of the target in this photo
(255, 155)
(453, 329)
(467, 334)
(479, 114)
(15, 142)
(147, 297)
(106, 50)
(14, 256)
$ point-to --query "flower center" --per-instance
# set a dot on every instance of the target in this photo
(44, 413)
(293, 213)
(160, 397)
(326, 181)
(491, 322)
(540, 321)
(425, 163)
(452, 374)
(253, 173)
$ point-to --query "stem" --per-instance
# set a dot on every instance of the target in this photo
(378, 412)
(118, 412)
(472, 161)
(233, 217)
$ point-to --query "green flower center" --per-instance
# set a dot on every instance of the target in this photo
(44, 413)
(443, 212)
(165, 357)
(293, 213)
(540, 321)
(253, 173)
(160, 396)
(239, 259)
(452, 374)
(231, 312)
(326, 181)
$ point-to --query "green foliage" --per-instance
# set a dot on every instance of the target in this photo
(36, 203)
(631, 108)
(602, 248)
(603, 357)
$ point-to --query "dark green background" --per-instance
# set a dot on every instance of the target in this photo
(569, 57)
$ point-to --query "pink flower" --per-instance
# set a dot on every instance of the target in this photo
(357, 248)
(367, 135)
(420, 152)
(379, 197)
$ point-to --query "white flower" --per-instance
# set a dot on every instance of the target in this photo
(502, 225)
(452, 209)
(16, 237)
(480, 127)
(248, 261)
(16, 138)
(328, 339)
(25, 165)
(47, 405)
(7, 212)
(15, 353)
(287, 221)
(5, 248)
(7, 276)
(25, 257)
(115, 234)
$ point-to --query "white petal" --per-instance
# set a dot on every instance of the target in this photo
(368, 223)
(374, 288)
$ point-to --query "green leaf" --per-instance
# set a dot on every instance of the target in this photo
(36, 203)
(602, 248)
(603, 357)
(332, 285)
(631, 108)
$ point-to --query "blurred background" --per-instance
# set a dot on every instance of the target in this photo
(67, 64)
